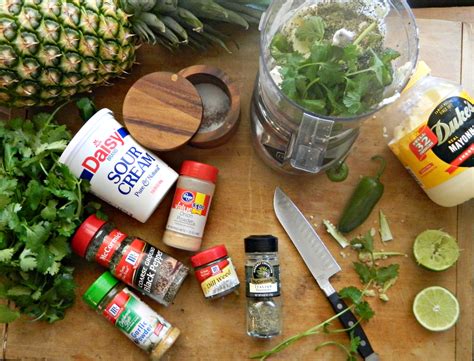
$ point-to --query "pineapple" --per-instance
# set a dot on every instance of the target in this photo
(53, 49)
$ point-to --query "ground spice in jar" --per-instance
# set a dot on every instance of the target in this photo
(215, 272)
(262, 275)
(191, 205)
(142, 325)
(130, 259)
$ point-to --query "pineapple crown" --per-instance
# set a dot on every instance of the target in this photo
(174, 22)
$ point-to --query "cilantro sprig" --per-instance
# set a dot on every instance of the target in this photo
(41, 204)
(331, 79)
(358, 305)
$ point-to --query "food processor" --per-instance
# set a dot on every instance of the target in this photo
(294, 140)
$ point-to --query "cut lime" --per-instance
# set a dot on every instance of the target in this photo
(435, 250)
(436, 309)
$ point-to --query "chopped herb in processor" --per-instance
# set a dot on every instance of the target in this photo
(330, 59)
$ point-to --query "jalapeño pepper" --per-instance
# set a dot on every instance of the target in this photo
(365, 196)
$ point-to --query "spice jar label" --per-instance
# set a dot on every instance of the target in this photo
(263, 280)
(147, 268)
(217, 278)
(189, 212)
(135, 319)
(109, 246)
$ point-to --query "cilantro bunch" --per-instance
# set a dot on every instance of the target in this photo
(41, 204)
(332, 78)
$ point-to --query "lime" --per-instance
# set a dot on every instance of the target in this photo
(435, 250)
(436, 309)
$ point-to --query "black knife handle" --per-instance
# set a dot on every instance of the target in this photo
(348, 320)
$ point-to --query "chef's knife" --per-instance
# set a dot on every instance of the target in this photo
(320, 262)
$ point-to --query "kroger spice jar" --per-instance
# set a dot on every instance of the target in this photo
(215, 272)
(147, 329)
(190, 206)
(130, 259)
(120, 171)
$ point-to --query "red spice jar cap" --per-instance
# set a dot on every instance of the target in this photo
(208, 255)
(85, 233)
(199, 170)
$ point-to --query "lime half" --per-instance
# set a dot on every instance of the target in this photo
(435, 250)
(436, 309)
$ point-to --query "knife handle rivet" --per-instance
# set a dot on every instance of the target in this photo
(350, 323)
(363, 343)
(339, 306)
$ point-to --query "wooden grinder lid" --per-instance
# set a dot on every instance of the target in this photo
(162, 111)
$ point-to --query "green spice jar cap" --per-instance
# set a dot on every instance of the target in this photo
(261, 243)
(99, 289)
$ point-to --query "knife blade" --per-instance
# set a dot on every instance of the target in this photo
(320, 263)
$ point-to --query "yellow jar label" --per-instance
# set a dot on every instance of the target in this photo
(217, 278)
(441, 146)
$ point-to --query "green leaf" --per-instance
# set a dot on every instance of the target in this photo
(364, 311)
(365, 243)
(58, 146)
(8, 315)
(311, 30)
(385, 274)
(59, 247)
(16, 291)
(36, 235)
(8, 187)
(365, 273)
(280, 46)
(34, 194)
(352, 293)
(6, 255)
(48, 213)
(45, 259)
(28, 260)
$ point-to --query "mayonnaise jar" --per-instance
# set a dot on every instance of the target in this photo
(120, 171)
(431, 131)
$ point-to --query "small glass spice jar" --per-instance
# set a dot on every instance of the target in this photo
(262, 274)
(215, 272)
(132, 260)
(146, 328)
(190, 207)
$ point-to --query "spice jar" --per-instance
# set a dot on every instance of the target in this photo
(215, 272)
(190, 206)
(147, 329)
(262, 275)
(132, 260)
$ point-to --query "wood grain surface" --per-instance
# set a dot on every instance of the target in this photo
(162, 111)
(215, 330)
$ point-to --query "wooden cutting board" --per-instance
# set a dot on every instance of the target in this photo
(243, 206)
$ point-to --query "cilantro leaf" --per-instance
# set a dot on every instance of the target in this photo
(385, 274)
(27, 260)
(352, 293)
(311, 30)
(7, 314)
(364, 311)
(365, 273)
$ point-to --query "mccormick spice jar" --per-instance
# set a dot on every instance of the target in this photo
(190, 206)
(130, 259)
(147, 329)
(215, 272)
(120, 171)
(262, 275)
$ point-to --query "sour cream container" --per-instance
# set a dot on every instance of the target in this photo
(120, 171)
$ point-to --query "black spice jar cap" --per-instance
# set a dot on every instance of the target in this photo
(261, 243)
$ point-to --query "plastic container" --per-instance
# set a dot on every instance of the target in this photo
(262, 275)
(190, 207)
(215, 272)
(121, 171)
(430, 130)
(132, 260)
(146, 328)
